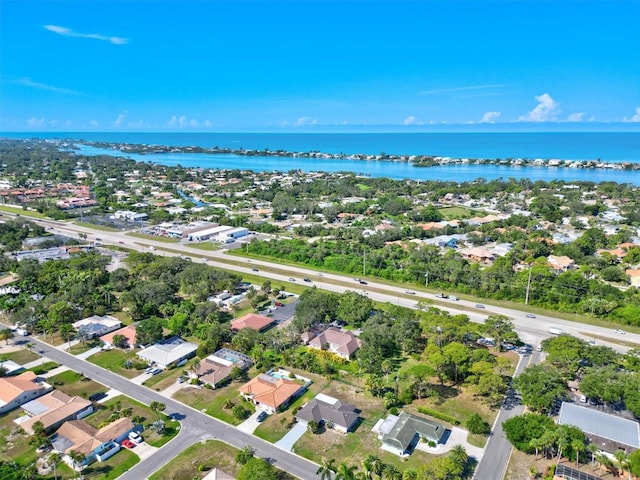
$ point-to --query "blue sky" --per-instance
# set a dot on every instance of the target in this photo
(318, 65)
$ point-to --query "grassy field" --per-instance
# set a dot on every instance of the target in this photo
(113, 360)
(212, 402)
(14, 445)
(20, 356)
(101, 228)
(44, 368)
(22, 212)
(156, 238)
(207, 246)
(450, 213)
(76, 384)
(211, 454)
(163, 380)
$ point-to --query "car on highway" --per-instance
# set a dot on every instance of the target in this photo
(440, 295)
(454, 298)
(254, 269)
(126, 443)
(530, 315)
(121, 242)
(291, 279)
(479, 305)
(619, 331)
(308, 280)
(362, 282)
(410, 292)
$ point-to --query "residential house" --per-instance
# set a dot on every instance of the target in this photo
(400, 434)
(94, 444)
(478, 254)
(252, 320)
(53, 409)
(216, 368)
(128, 332)
(270, 393)
(330, 411)
(634, 277)
(18, 390)
(560, 264)
(341, 342)
(169, 353)
(96, 325)
(609, 432)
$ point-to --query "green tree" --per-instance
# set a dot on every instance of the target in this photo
(157, 407)
(244, 455)
(540, 386)
(149, 331)
(346, 472)
(257, 468)
(326, 469)
(500, 328)
(476, 425)
(6, 334)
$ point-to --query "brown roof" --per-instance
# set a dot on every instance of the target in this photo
(12, 387)
(86, 439)
(60, 407)
(269, 390)
(212, 371)
(251, 320)
(343, 342)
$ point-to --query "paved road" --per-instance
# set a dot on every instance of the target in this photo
(196, 426)
(498, 449)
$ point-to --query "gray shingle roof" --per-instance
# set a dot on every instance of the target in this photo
(407, 427)
(601, 424)
(330, 410)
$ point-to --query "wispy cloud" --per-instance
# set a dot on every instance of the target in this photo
(67, 32)
(182, 122)
(463, 89)
(490, 117)
(576, 117)
(546, 110)
(635, 118)
(35, 122)
(120, 118)
(412, 120)
(27, 82)
(303, 121)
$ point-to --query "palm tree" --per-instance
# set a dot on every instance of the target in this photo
(459, 455)
(77, 458)
(29, 472)
(623, 460)
(592, 448)
(367, 465)
(6, 334)
(390, 472)
(346, 472)
(157, 407)
(326, 469)
(54, 460)
(66, 332)
(578, 447)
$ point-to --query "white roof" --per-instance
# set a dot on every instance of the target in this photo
(167, 353)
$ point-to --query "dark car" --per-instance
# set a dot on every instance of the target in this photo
(261, 416)
(307, 279)
(362, 282)
(254, 269)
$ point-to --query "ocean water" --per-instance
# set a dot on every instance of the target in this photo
(604, 146)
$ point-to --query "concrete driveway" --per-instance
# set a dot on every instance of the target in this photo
(144, 450)
(288, 441)
(250, 424)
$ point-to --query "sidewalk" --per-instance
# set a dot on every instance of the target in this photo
(88, 353)
(55, 371)
(37, 362)
(171, 389)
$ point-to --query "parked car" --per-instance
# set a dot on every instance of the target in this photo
(279, 304)
(127, 443)
(135, 437)
(149, 369)
(155, 371)
(261, 416)
(182, 379)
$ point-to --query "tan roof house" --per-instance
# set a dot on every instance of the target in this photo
(15, 391)
(252, 320)
(53, 409)
(217, 367)
(269, 393)
(342, 343)
(560, 264)
(634, 277)
(94, 444)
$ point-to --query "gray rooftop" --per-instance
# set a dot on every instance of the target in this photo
(330, 410)
(601, 424)
(408, 426)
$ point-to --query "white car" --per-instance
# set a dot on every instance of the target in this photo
(135, 437)
(621, 332)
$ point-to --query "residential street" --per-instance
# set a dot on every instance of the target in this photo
(196, 426)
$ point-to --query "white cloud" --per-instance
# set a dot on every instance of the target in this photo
(208, 123)
(635, 118)
(463, 89)
(576, 117)
(303, 121)
(67, 32)
(35, 122)
(27, 82)
(139, 124)
(490, 117)
(94, 123)
(120, 118)
(545, 111)
(412, 120)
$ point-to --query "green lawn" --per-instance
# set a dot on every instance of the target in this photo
(44, 368)
(212, 402)
(76, 384)
(163, 380)
(113, 467)
(207, 246)
(211, 453)
(156, 238)
(101, 228)
(14, 445)
(20, 356)
(20, 211)
(113, 360)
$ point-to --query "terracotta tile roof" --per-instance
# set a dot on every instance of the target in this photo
(129, 332)
(270, 391)
(251, 320)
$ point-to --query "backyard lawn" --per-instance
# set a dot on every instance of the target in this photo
(113, 360)
(20, 356)
(210, 454)
(76, 384)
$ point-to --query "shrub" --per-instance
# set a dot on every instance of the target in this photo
(475, 424)
(440, 416)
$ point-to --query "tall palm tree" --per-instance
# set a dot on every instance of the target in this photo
(346, 472)
(459, 455)
(367, 465)
(6, 334)
(623, 461)
(326, 469)
(54, 460)
(592, 448)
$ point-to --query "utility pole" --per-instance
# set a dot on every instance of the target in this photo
(526, 298)
(364, 263)
(426, 280)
